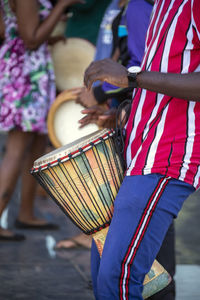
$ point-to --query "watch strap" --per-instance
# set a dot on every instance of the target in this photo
(132, 83)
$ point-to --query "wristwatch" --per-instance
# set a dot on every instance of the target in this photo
(132, 74)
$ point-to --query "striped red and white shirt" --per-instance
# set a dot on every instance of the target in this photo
(163, 133)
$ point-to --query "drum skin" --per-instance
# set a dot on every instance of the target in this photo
(63, 117)
(70, 59)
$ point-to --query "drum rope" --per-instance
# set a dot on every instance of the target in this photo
(104, 176)
(125, 106)
(116, 159)
(96, 184)
(87, 189)
(80, 196)
(63, 188)
(111, 168)
(62, 200)
(107, 181)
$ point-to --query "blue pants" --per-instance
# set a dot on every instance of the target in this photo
(144, 209)
(167, 258)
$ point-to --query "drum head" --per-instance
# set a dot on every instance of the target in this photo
(70, 59)
(63, 117)
(72, 147)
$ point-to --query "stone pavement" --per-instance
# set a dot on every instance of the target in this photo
(32, 270)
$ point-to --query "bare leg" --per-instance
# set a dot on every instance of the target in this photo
(17, 143)
(29, 184)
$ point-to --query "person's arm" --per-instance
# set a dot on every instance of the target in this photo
(184, 86)
(2, 29)
(31, 30)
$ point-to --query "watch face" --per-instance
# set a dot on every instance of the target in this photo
(134, 69)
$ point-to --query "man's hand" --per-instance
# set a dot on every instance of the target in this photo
(86, 98)
(100, 115)
(108, 119)
(106, 70)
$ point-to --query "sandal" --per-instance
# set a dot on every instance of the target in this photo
(12, 238)
(45, 226)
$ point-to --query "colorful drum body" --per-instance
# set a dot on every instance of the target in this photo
(83, 178)
(63, 117)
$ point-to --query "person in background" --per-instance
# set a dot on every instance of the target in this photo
(105, 40)
(27, 90)
(107, 46)
(85, 20)
(160, 155)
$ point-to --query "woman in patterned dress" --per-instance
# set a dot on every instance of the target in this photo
(27, 90)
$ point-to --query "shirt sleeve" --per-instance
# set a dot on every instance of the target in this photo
(138, 18)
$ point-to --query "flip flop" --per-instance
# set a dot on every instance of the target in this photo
(12, 238)
(76, 245)
(46, 226)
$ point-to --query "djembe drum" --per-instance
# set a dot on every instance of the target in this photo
(83, 178)
(70, 59)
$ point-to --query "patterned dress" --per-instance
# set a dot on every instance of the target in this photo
(27, 86)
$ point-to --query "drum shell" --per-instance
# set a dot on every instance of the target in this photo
(86, 185)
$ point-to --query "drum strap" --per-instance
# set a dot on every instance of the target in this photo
(123, 112)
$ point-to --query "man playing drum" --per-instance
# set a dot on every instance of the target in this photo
(163, 158)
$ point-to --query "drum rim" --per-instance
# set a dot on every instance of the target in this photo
(52, 161)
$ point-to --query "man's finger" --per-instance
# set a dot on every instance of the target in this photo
(88, 111)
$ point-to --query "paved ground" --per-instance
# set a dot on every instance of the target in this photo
(32, 270)
(188, 250)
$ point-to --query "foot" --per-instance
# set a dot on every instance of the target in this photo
(5, 232)
(80, 240)
(32, 221)
(35, 223)
(7, 235)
